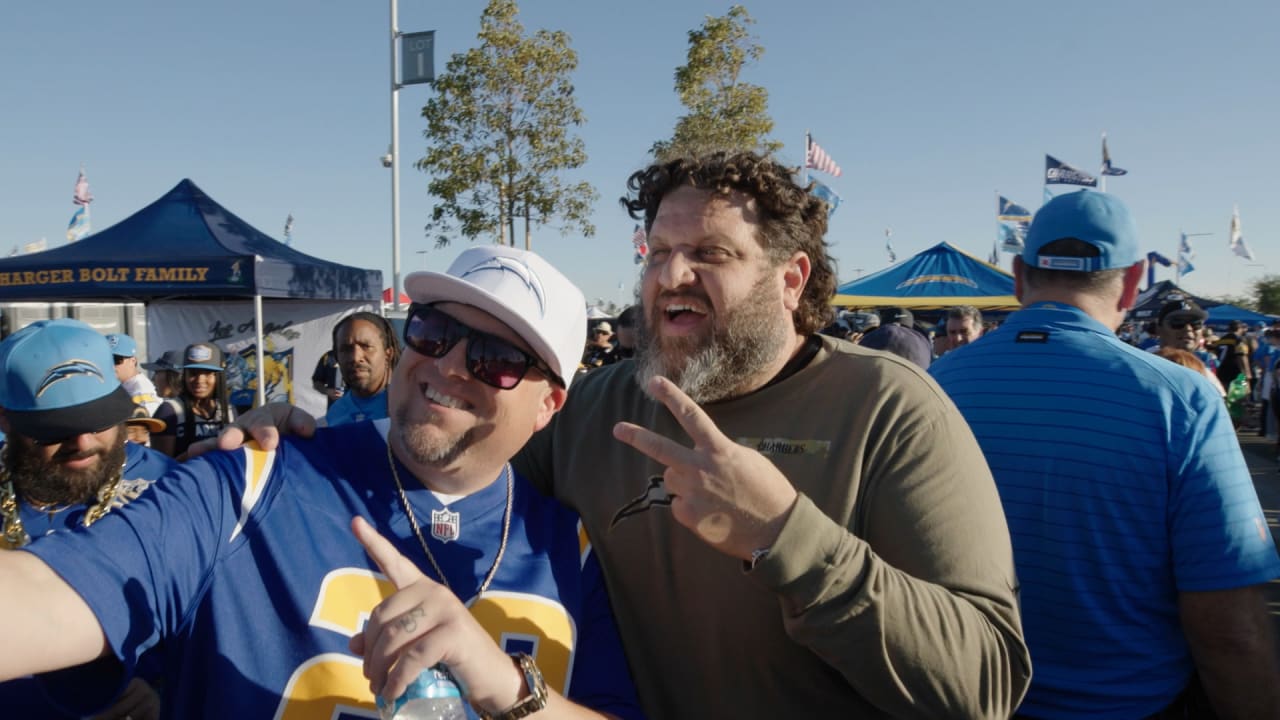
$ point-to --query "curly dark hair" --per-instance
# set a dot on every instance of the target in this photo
(791, 218)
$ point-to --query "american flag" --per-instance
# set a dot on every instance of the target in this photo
(818, 159)
(640, 240)
(82, 196)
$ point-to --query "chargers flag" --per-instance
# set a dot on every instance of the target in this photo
(79, 225)
(640, 241)
(1107, 168)
(1014, 221)
(1057, 172)
(817, 159)
(823, 192)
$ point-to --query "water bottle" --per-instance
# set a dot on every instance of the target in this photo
(434, 695)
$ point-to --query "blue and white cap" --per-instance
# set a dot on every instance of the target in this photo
(58, 380)
(122, 345)
(1096, 218)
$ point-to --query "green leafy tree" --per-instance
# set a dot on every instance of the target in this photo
(1266, 294)
(724, 112)
(499, 136)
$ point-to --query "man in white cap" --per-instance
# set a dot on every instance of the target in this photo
(249, 579)
(124, 350)
(66, 464)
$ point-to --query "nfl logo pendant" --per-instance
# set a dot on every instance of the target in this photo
(444, 525)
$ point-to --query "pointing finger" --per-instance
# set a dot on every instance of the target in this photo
(399, 569)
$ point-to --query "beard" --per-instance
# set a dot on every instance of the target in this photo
(423, 442)
(744, 340)
(48, 482)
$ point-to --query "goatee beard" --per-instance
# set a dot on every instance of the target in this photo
(422, 449)
(47, 482)
(744, 341)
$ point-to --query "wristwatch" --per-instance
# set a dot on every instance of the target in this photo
(537, 693)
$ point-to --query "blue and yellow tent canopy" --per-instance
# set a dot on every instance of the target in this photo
(939, 277)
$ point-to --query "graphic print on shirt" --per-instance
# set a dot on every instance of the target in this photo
(655, 495)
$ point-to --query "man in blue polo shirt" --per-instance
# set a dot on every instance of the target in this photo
(1137, 534)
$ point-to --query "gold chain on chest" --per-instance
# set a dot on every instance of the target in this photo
(413, 522)
(15, 533)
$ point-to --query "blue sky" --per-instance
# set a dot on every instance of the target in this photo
(282, 106)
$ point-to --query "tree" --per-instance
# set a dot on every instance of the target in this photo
(725, 113)
(1266, 294)
(499, 135)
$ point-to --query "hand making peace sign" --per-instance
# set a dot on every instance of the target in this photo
(731, 496)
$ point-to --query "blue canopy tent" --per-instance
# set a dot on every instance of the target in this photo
(184, 245)
(940, 277)
(1221, 315)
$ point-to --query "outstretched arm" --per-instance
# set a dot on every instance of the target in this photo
(48, 625)
(263, 425)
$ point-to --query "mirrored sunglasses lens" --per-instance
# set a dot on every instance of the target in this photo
(495, 362)
(430, 332)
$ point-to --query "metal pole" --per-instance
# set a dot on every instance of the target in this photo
(395, 167)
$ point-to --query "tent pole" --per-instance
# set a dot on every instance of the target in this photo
(262, 367)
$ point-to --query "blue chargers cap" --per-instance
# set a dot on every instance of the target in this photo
(58, 380)
(1096, 218)
(122, 345)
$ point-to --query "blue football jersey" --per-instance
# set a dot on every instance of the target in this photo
(93, 686)
(248, 572)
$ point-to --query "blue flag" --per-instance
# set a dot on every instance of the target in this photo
(1057, 172)
(79, 225)
(822, 191)
(1184, 266)
(1009, 210)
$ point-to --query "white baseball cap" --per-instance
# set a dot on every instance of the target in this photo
(522, 290)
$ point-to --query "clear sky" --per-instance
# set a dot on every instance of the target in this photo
(282, 106)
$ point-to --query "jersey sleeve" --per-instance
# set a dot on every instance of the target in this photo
(142, 568)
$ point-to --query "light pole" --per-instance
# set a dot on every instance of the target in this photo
(419, 68)
(423, 253)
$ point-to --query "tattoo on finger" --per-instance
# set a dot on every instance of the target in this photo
(408, 622)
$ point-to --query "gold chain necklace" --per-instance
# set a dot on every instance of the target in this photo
(15, 534)
(413, 522)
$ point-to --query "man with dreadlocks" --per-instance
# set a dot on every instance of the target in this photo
(65, 464)
(366, 348)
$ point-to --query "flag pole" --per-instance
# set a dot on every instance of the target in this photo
(804, 162)
(1102, 177)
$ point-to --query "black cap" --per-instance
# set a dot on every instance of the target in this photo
(1184, 310)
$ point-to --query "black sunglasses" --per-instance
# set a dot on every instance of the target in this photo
(1180, 324)
(490, 359)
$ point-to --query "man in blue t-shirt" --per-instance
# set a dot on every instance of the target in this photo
(248, 580)
(66, 463)
(1137, 534)
(365, 347)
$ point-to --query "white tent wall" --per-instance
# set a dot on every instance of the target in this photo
(296, 333)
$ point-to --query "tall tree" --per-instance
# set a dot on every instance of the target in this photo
(499, 135)
(724, 112)
(1266, 294)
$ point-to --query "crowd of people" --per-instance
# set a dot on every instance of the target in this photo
(680, 517)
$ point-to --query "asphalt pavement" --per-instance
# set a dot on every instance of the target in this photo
(1260, 454)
